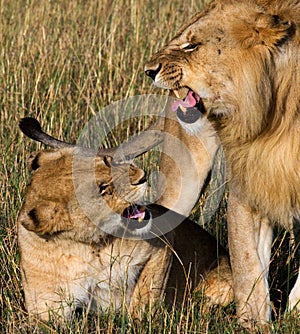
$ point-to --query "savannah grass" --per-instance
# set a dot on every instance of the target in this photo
(62, 62)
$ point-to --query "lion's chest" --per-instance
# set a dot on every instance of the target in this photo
(268, 181)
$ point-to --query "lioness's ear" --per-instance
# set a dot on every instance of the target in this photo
(265, 29)
(47, 217)
(32, 161)
(37, 159)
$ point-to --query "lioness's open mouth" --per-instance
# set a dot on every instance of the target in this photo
(137, 218)
(188, 106)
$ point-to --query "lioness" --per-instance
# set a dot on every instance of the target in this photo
(85, 244)
(236, 65)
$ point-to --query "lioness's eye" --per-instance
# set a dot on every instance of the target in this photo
(107, 160)
(103, 188)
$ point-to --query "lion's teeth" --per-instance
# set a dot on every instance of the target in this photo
(176, 94)
(183, 109)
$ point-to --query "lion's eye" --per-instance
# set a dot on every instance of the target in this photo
(188, 46)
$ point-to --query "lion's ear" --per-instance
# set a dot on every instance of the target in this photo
(47, 217)
(265, 29)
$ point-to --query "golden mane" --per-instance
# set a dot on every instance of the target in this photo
(261, 138)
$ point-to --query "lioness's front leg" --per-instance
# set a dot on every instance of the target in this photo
(250, 242)
(152, 281)
(185, 163)
(294, 297)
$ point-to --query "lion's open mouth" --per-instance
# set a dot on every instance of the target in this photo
(136, 217)
(189, 108)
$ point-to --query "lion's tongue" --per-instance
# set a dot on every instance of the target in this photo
(189, 102)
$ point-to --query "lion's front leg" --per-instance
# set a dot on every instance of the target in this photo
(250, 240)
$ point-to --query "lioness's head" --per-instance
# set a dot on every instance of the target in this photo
(227, 58)
(79, 196)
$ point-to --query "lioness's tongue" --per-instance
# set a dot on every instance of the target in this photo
(189, 102)
(134, 213)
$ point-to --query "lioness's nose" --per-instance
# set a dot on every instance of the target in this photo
(138, 176)
(152, 70)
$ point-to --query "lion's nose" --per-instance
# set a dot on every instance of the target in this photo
(152, 71)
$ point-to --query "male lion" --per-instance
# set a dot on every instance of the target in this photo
(236, 64)
(85, 244)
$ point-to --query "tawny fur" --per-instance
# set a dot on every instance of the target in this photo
(244, 64)
(73, 254)
(180, 186)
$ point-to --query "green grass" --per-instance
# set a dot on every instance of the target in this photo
(63, 62)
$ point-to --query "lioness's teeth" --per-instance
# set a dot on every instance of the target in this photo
(183, 108)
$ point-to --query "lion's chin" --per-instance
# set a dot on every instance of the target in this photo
(195, 128)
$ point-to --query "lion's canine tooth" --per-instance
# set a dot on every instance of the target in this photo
(183, 109)
(176, 94)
